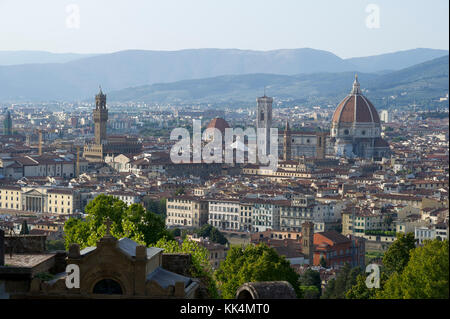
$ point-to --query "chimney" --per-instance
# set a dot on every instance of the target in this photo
(2, 247)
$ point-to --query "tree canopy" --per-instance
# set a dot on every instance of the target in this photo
(344, 281)
(310, 284)
(131, 221)
(397, 255)
(24, 229)
(425, 275)
(201, 268)
(253, 264)
(213, 233)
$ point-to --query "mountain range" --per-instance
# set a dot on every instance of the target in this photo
(77, 77)
(428, 80)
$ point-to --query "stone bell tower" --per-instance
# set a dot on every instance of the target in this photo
(308, 241)
(264, 119)
(100, 118)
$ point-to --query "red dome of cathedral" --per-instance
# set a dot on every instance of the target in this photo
(355, 108)
(219, 124)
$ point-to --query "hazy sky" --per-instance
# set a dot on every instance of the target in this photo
(337, 26)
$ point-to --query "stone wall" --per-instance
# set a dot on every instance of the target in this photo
(25, 244)
(177, 263)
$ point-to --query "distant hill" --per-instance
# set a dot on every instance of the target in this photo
(30, 57)
(396, 60)
(429, 79)
(240, 88)
(80, 77)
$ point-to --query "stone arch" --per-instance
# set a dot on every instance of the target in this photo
(266, 290)
(91, 281)
(107, 286)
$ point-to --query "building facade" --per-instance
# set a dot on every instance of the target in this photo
(186, 211)
(224, 214)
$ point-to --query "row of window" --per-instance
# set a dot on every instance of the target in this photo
(6, 192)
(11, 198)
(10, 206)
(224, 209)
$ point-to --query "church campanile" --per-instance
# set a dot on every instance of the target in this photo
(100, 118)
(264, 119)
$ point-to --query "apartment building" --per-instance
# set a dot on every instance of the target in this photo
(63, 201)
(186, 211)
(10, 197)
(358, 223)
(224, 214)
(266, 215)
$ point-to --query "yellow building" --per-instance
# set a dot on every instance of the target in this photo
(62, 201)
(186, 211)
(10, 197)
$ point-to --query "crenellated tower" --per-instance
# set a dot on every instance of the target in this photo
(100, 118)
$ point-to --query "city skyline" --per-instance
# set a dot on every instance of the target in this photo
(220, 173)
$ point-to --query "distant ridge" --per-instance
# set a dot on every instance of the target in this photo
(78, 78)
(425, 80)
(395, 60)
(31, 57)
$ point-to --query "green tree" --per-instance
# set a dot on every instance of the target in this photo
(323, 262)
(179, 191)
(155, 206)
(360, 290)
(310, 292)
(213, 233)
(201, 267)
(344, 281)
(397, 256)
(253, 264)
(425, 275)
(311, 278)
(132, 221)
(57, 244)
(24, 229)
(176, 232)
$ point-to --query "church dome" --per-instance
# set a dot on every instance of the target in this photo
(218, 123)
(355, 108)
